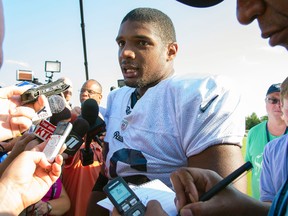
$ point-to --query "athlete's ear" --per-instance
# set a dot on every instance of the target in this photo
(172, 51)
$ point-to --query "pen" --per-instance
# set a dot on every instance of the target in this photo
(226, 181)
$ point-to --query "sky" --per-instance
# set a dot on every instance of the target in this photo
(210, 41)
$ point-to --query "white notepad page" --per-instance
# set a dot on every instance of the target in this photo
(153, 190)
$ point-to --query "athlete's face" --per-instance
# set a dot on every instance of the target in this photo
(272, 17)
(143, 56)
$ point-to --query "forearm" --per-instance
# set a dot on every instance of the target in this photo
(251, 206)
(11, 156)
(10, 202)
(95, 209)
(59, 206)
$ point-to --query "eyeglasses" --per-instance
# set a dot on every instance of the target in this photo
(90, 92)
(272, 100)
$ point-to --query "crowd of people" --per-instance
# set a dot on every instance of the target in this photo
(185, 130)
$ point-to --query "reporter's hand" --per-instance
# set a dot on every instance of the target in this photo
(190, 183)
(14, 118)
(27, 179)
(153, 207)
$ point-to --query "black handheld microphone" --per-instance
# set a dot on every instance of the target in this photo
(90, 111)
(75, 138)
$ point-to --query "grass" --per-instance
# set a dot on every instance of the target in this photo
(249, 189)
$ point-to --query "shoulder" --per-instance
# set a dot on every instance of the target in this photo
(201, 85)
(277, 145)
(200, 80)
(257, 128)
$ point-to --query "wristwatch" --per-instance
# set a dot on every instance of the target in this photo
(49, 206)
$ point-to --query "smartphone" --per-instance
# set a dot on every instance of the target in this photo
(57, 140)
(123, 198)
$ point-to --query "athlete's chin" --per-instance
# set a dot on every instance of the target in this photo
(131, 83)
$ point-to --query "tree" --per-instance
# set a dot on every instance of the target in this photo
(253, 120)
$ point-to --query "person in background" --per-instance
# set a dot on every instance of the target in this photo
(160, 121)
(275, 158)
(262, 133)
(90, 89)
(78, 179)
(69, 92)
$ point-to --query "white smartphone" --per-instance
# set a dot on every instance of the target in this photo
(57, 140)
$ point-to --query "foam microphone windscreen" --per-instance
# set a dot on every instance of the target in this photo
(57, 103)
(80, 126)
(65, 114)
(90, 110)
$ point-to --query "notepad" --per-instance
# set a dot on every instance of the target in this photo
(152, 190)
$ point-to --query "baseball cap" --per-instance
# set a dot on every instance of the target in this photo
(273, 88)
(200, 3)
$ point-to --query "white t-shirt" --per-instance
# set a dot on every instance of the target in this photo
(178, 118)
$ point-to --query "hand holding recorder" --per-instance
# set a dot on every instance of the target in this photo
(16, 119)
(123, 198)
(57, 140)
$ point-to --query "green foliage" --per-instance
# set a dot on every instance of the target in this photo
(253, 120)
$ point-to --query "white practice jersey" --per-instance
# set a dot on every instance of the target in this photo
(178, 118)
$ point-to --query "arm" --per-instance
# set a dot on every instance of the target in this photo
(191, 183)
(267, 191)
(97, 194)
(93, 208)
(26, 180)
(27, 140)
(59, 205)
(223, 159)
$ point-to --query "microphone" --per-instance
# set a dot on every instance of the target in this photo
(65, 114)
(57, 103)
(54, 104)
(74, 139)
(45, 129)
(90, 111)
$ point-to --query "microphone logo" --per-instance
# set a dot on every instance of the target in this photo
(72, 142)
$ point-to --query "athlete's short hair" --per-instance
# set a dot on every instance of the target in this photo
(161, 21)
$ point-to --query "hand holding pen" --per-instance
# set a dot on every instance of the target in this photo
(193, 185)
